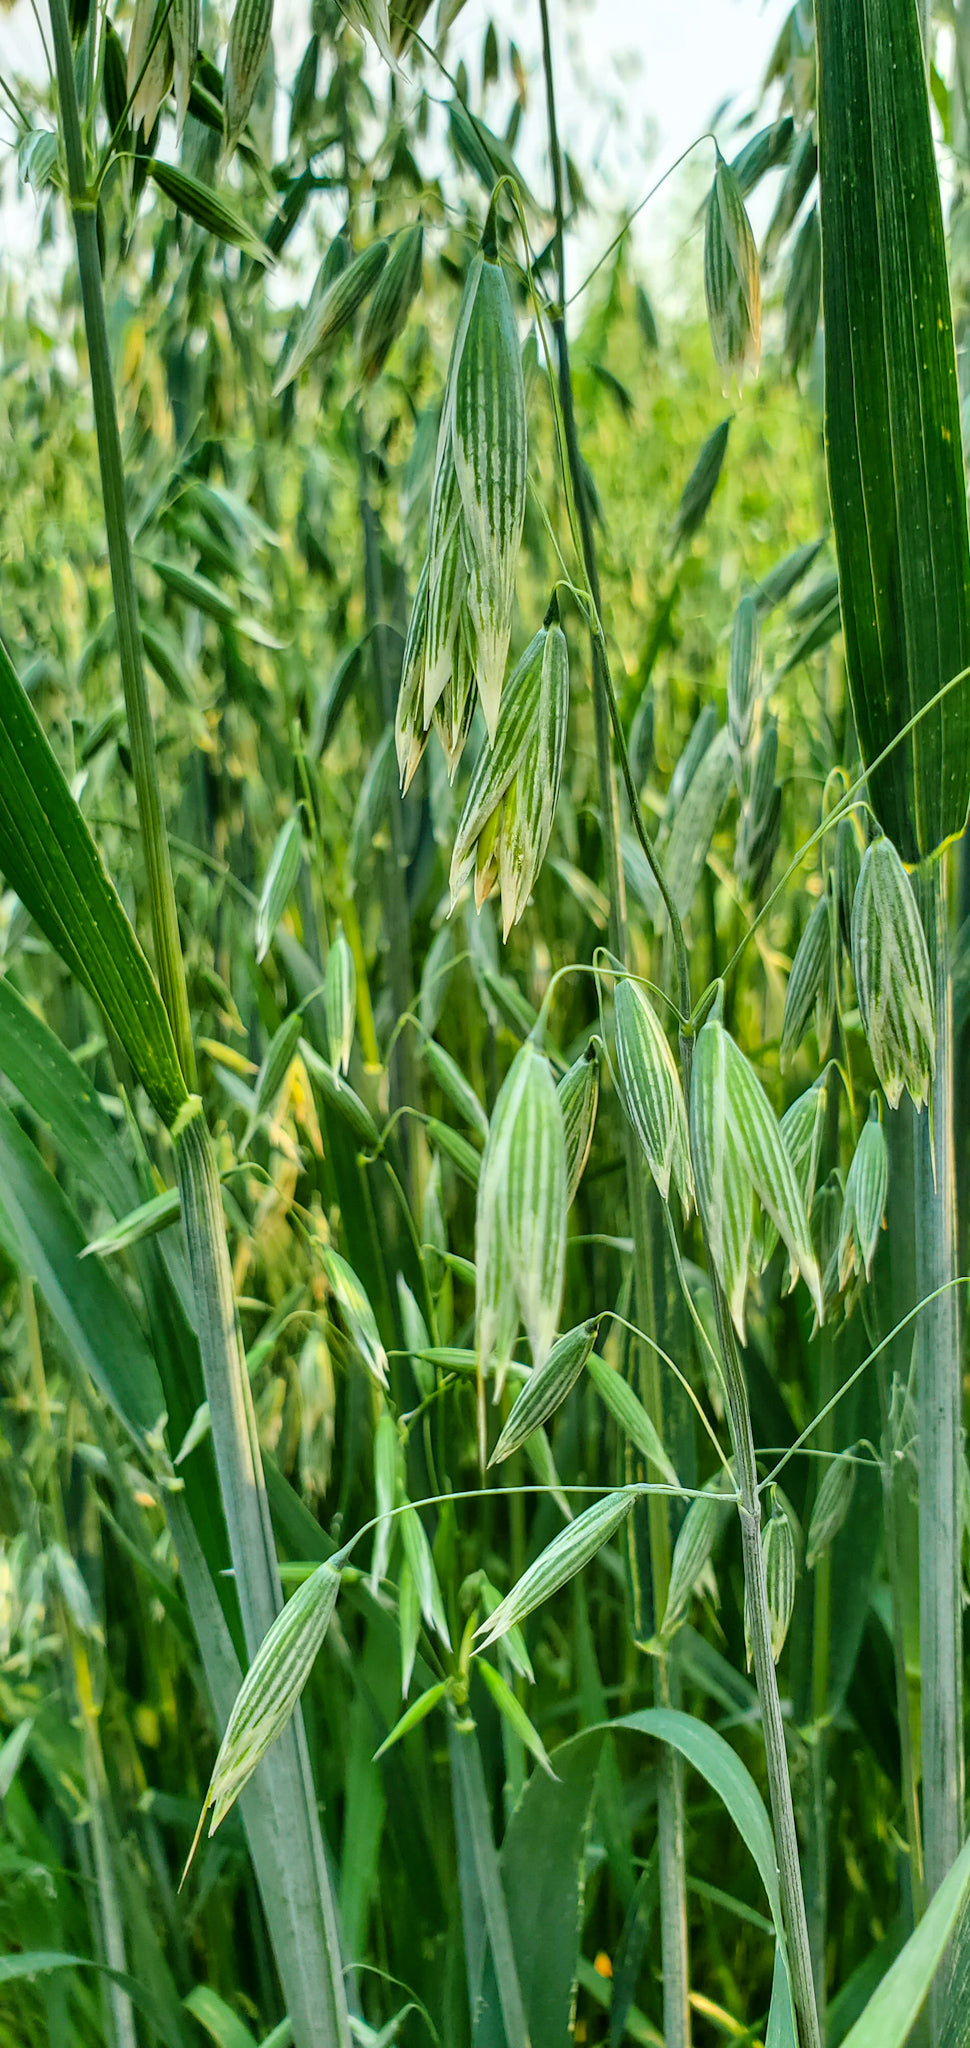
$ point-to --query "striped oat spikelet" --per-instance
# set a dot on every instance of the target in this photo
(249, 38)
(508, 816)
(185, 26)
(893, 975)
(269, 1693)
(149, 63)
(458, 639)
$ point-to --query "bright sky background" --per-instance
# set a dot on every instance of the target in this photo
(636, 85)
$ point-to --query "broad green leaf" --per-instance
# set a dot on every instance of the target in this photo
(893, 432)
(716, 1761)
(892, 2010)
(223, 2025)
(48, 855)
(42, 1962)
(484, 1905)
(543, 1878)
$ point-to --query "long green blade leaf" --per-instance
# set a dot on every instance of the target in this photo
(48, 855)
(896, 478)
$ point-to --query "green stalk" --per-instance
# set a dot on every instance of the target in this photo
(310, 1966)
(403, 1078)
(766, 1679)
(397, 918)
(819, 1750)
(161, 892)
(938, 1378)
(293, 1873)
(895, 1508)
(670, 1804)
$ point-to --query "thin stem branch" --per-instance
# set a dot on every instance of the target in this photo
(161, 892)
(938, 1383)
(766, 1679)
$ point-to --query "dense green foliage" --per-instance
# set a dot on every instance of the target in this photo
(497, 1867)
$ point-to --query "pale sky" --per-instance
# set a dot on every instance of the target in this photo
(636, 85)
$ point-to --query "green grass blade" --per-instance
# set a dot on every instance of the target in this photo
(482, 1875)
(48, 855)
(888, 2018)
(896, 477)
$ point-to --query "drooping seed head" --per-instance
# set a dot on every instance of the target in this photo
(578, 1098)
(732, 278)
(864, 1205)
(781, 1572)
(387, 313)
(738, 1150)
(250, 33)
(832, 1503)
(652, 1094)
(893, 976)
(269, 1692)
